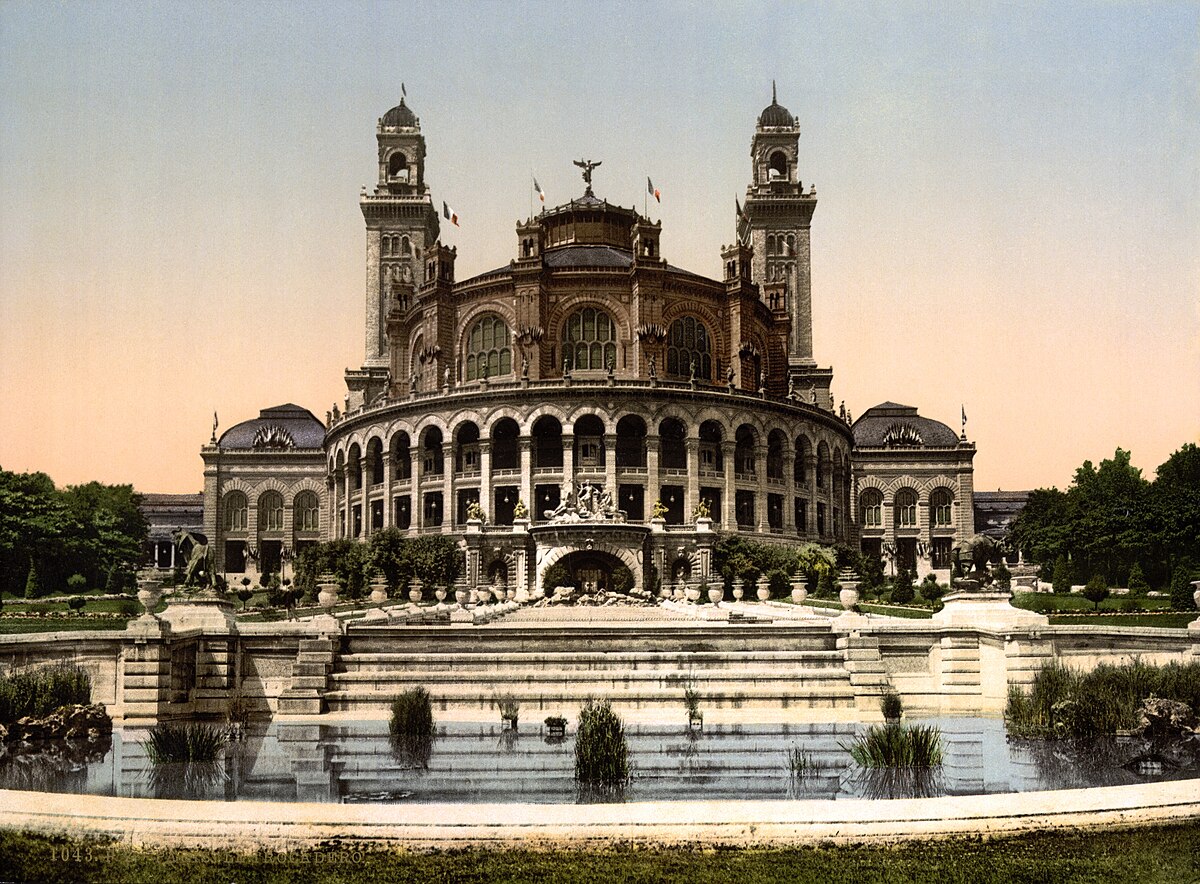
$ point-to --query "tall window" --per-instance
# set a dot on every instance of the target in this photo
(939, 507)
(906, 509)
(489, 349)
(589, 340)
(687, 342)
(871, 508)
(306, 512)
(235, 511)
(270, 512)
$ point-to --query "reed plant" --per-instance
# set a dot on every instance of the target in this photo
(184, 743)
(898, 745)
(601, 751)
(891, 705)
(412, 714)
(510, 707)
(41, 691)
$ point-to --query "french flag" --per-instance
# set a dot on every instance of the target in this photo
(541, 194)
(652, 190)
(451, 215)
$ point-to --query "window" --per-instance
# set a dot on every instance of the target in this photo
(589, 340)
(489, 349)
(235, 511)
(871, 508)
(270, 512)
(939, 505)
(906, 509)
(306, 512)
(688, 343)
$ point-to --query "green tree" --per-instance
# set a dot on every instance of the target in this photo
(1176, 505)
(1062, 576)
(902, 587)
(388, 556)
(76, 583)
(32, 521)
(436, 559)
(1182, 598)
(33, 583)
(1096, 590)
(931, 590)
(1137, 580)
(1002, 576)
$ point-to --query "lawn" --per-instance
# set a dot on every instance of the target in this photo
(1165, 854)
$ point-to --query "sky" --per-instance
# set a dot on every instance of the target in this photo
(1008, 217)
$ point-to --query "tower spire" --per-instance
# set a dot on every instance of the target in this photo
(774, 100)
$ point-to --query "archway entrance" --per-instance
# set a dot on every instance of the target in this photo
(592, 571)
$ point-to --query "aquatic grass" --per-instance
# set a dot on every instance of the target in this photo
(891, 705)
(41, 691)
(184, 743)
(601, 752)
(897, 745)
(412, 714)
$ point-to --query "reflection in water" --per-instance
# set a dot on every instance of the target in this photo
(190, 780)
(412, 751)
(894, 782)
(601, 793)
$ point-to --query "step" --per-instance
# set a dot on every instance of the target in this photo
(490, 661)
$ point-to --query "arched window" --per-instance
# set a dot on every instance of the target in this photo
(870, 508)
(235, 507)
(489, 349)
(906, 509)
(589, 340)
(270, 511)
(405, 247)
(777, 166)
(306, 512)
(939, 507)
(688, 342)
(398, 167)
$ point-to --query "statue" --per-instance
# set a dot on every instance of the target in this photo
(592, 504)
(336, 413)
(970, 558)
(524, 368)
(653, 366)
(412, 383)
(692, 372)
(791, 388)
(729, 376)
(587, 166)
(812, 394)
(446, 377)
(199, 568)
(842, 410)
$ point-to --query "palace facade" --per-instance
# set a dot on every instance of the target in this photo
(505, 406)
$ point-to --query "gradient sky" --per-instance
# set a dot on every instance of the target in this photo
(1009, 211)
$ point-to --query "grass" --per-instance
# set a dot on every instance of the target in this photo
(800, 762)
(42, 691)
(1151, 620)
(1149, 856)
(1064, 703)
(412, 714)
(898, 745)
(184, 743)
(1052, 602)
(601, 752)
(67, 624)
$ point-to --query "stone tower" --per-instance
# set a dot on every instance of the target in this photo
(779, 213)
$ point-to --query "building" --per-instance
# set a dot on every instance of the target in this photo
(588, 403)
(165, 514)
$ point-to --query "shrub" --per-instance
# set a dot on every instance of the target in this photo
(1096, 590)
(1181, 588)
(902, 587)
(898, 745)
(1062, 576)
(555, 721)
(412, 714)
(33, 583)
(556, 575)
(601, 753)
(1002, 576)
(1137, 581)
(779, 583)
(691, 700)
(931, 590)
(76, 603)
(891, 705)
(510, 708)
(174, 744)
(826, 588)
(77, 583)
(42, 691)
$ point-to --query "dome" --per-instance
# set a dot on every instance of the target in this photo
(401, 116)
(282, 428)
(775, 114)
(890, 425)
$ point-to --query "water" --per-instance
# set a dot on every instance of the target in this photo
(356, 762)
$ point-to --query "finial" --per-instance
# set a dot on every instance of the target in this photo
(773, 99)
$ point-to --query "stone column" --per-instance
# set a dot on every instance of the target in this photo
(728, 506)
(692, 496)
(653, 479)
(760, 501)
(417, 486)
(364, 465)
(388, 470)
(568, 467)
(485, 477)
(810, 464)
(448, 502)
(610, 463)
(524, 447)
(347, 509)
(789, 484)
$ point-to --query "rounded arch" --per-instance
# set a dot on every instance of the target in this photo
(631, 441)
(941, 507)
(547, 436)
(235, 508)
(803, 451)
(745, 439)
(306, 512)
(904, 508)
(776, 446)
(375, 461)
(487, 347)
(672, 443)
(505, 435)
(689, 348)
(777, 166)
(823, 464)
(397, 165)
(270, 511)
(625, 556)
(589, 339)
(870, 508)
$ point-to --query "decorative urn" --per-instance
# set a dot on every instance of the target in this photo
(763, 589)
(149, 591)
(327, 596)
(848, 582)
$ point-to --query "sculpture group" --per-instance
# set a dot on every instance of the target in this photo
(593, 503)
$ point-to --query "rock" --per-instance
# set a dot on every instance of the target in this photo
(66, 723)
(1159, 718)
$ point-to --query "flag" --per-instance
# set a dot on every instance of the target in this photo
(652, 190)
(743, 222)
(541, 194)
(451, 215)
(403, 91)
(964, 415)
(214, 421)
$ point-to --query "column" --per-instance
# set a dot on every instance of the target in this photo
(610, 463)
(568, 468)
(389, 469)
(485, 476)
(789, 484)
(810, 466)
(347, 509)
(653, 479)
(448, 488)
(364, 466)
(728, 508)
(760, 496)
(692, 496)
(524, 447)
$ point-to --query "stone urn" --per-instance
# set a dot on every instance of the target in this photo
(716, 594)
(678, 593)
(664, 590)
(379, 590)
(763, 589)
(799, 590)
(739, 592)
(1195, 595)
(440, 595)
(692, 593)
(498, 593)
(149, 592)
(848, 582)
(327, 596)
(414, 591)
(462, 595)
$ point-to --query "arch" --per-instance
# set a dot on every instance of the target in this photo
(405, 247)
(506, 452)
(306, 512)
(488, 349)
(589, 340)
(941, 507)
(400, 455)
(870, 508)
(588, 433)
(631, 441)
(432, 455)
(547, 442)
(712, 435)
(822, 476)
(745, 440)
(234, 511)
(672, 435)
(565, 548)
(375, 462)
(777, 166)
(270, 511)
(776, 442)
(689, 343)
(800, 463)
(397, 166)
(904, 508)
(354, 466)
(466, 447)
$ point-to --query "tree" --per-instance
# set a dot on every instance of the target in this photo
(1137, 580)
(1096, 590)
(387, 554)
(931, 590)
(1182, 598)
(33, 583)
(76, 583)
(76, 603)
(1002, 576)
(1062, 576)
(902, 587)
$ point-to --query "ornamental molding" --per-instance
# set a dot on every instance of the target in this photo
(273, 437)
(902, 435)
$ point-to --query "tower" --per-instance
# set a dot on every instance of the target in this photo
(402, 225)
(780, 213)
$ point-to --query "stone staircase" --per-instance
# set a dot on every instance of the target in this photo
(738, 670)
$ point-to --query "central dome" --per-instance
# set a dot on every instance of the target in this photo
(775, 114)
(400, 117)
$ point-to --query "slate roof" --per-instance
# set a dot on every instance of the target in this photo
(871, 430)
(306, 431)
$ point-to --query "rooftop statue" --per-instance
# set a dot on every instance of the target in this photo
(587, 166)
